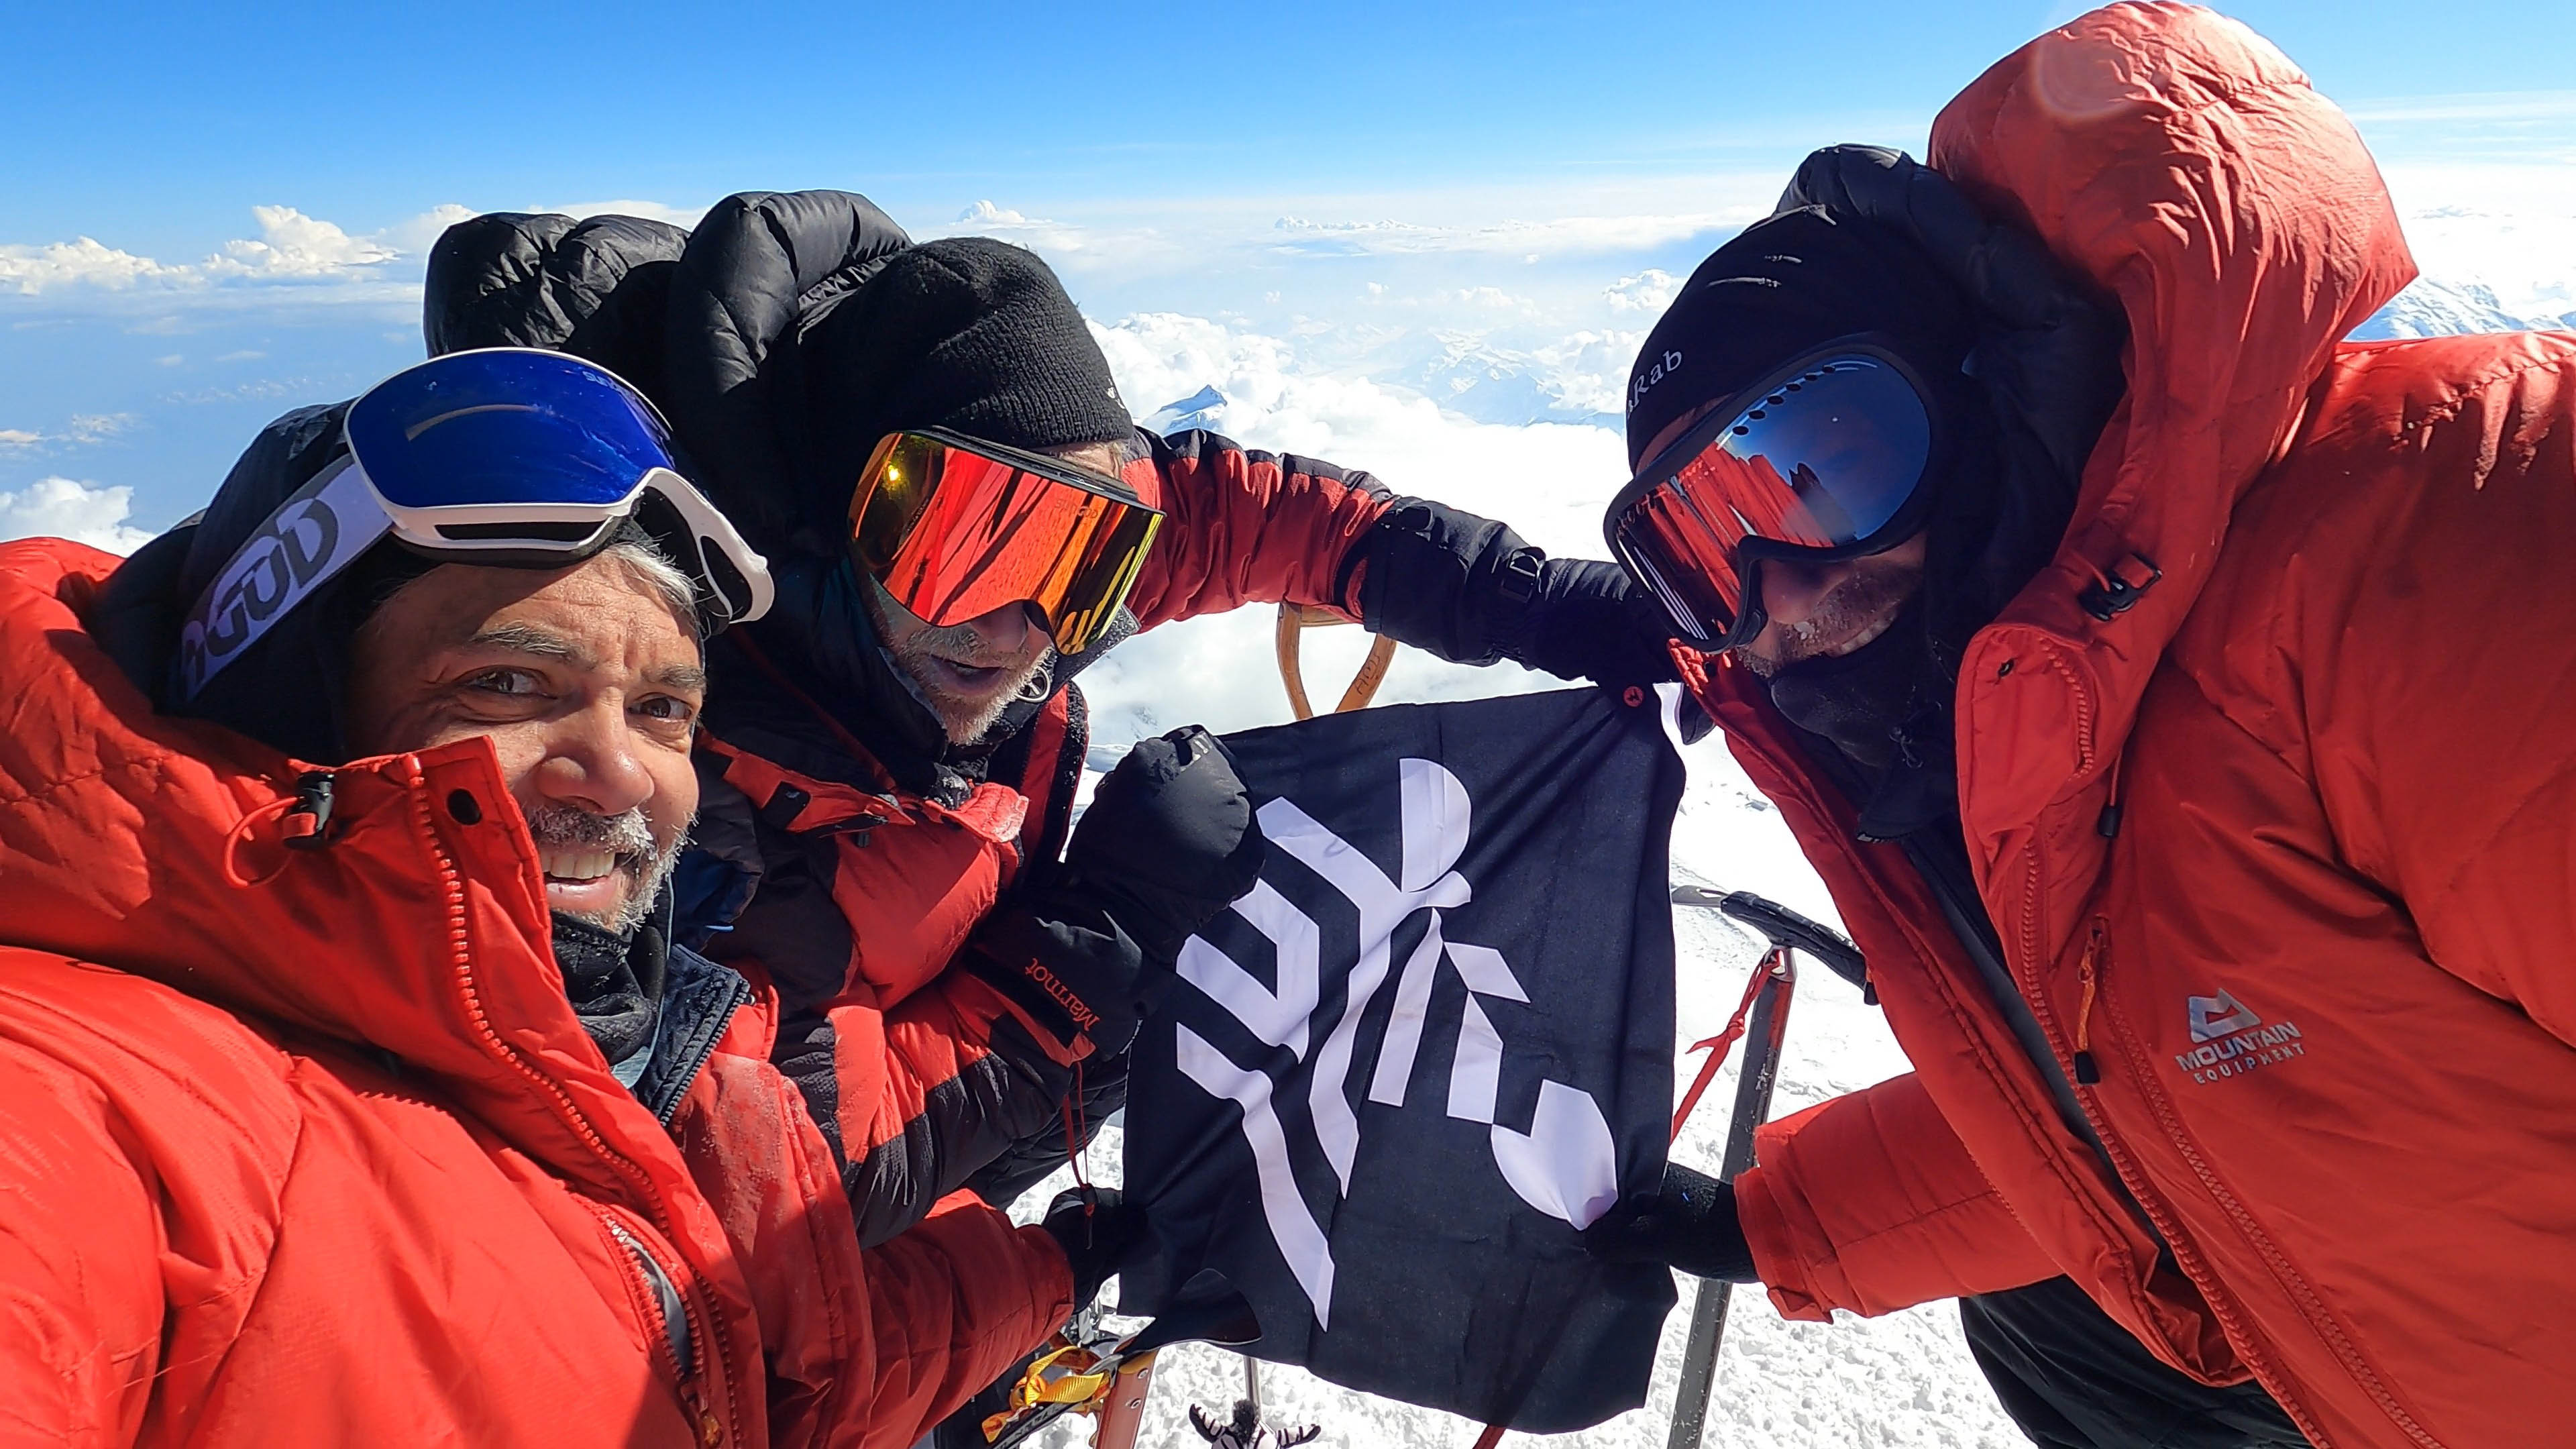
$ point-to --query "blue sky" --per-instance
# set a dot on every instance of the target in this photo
(1368, 182)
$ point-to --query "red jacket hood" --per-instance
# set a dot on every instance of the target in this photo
(2181, 163)
(2178, 160)
(155, 845)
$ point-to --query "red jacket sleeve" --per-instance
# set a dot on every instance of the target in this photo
(1869, 1203)
(80, 1252)
(955, 1302)
(1244, 527)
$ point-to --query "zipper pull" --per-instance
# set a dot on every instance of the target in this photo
(307, 823)
(2087, 1071)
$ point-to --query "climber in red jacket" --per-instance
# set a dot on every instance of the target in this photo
(352, 1088)
(2173, 696)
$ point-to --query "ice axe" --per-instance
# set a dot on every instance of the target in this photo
(1783, 932)
(1294, 621)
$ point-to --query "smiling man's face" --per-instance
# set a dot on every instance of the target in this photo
(970, 672)
(587, 681)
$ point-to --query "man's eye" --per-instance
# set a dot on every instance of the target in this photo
(514, 683)
(665, 707)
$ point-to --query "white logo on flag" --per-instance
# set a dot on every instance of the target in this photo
(1566, 1165)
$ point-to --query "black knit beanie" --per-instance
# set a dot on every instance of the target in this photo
(1783, 285)
(967, 333)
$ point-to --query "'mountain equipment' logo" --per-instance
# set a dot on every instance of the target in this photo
(2232, 1040)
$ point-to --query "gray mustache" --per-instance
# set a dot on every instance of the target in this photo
(627, 834)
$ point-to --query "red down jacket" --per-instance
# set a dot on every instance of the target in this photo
(309, 1148)
(2321, 960)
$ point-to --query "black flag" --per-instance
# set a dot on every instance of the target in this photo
(1436, 1039)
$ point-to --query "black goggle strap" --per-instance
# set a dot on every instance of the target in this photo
(305, 543)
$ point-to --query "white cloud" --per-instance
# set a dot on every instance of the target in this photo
(1550, 480)
(682, 216)
(1526, 241)
(292, 244)
(290, 247)
(1651, 290)
(985, 213)
(67, 508)
(82, 262)
(79, 428)
(420, 233)
(91, 427)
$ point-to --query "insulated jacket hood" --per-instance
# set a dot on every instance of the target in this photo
(2234, 298)
(2235, 294)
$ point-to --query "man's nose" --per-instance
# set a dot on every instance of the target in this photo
(1006, 629)
(591, 762)
(1792, 588)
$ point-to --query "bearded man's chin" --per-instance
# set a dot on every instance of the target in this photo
(967, 724)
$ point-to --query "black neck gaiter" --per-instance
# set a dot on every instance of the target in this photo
(614, 981)
(1885, 708)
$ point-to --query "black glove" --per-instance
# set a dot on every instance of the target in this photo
(1168, 842)
(1689, 1223)
(1096, 1227)
(1471, 591)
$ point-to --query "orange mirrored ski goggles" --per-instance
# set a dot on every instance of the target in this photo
(955, 528)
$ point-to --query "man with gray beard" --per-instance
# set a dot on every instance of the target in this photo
(352, 1086)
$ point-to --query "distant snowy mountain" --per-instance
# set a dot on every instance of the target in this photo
(2432, 308)
(1198, 410)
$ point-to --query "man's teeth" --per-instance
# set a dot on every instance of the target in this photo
(578, 864)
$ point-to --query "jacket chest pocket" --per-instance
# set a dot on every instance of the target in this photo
(911, 892)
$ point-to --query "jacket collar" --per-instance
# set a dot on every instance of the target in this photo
(419, 929)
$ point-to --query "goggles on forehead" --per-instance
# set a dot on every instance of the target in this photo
(504, 456)
(955, 528)
(1827, 459)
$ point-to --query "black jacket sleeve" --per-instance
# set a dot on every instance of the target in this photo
(1471, 591)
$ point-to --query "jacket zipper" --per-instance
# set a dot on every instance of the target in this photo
(2310, 1307)
(656, 1301)
(2088, 1073)
(460, 945)
(2231, 1321)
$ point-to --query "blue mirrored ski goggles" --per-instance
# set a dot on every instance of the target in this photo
(504, 456)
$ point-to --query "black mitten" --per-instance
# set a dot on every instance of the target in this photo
(1096, 1227)
(1057, 952)
(1689, 1223)
(1168, 842)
